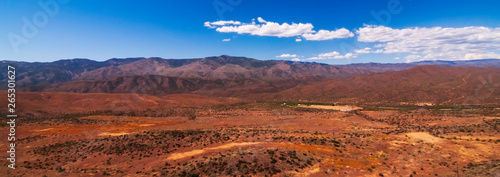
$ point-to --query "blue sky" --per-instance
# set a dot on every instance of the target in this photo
(335, 32)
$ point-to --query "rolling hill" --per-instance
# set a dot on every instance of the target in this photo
(426, 83)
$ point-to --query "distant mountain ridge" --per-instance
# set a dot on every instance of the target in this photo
(476, 63)
(250, 78)
(225, 67)
(221, 67)
(57, 71)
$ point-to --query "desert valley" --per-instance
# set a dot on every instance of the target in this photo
(236, 116)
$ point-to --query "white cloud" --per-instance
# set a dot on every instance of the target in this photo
(334, 55)
(266, 28)
(322, 35)
(220, 23)
(473, 56)
(434, 43)
(412, 58)
(364, 50)
(379, 45)
(294, 57)
(226, 40)
(350, 55)
(261, 20)
(396, 58)
(207, 24)
(286, 55)
(269, 29)
(298, 40)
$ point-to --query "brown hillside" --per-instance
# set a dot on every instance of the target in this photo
(145, 84)
(61, 102)
(436, 84)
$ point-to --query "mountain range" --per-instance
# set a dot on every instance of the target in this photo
(261, 79)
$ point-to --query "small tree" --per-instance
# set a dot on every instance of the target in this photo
(191, 114)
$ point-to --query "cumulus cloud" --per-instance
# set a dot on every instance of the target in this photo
(473, 56)
(294, 57)
(220, 23)
(414, 44)
(226, 40)
(269, 29)
(286, 55)
(412, 58)
(334, 55)
(266, 28)
(337, 55)
(364, 50)
(261, 20)
(434, 43)
(322, 35)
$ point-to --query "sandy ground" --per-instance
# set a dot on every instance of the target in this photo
(403, 153)
(424, 136)
(176, 156)
(338, 108)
